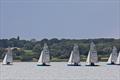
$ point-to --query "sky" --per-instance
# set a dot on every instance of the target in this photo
(69, 19)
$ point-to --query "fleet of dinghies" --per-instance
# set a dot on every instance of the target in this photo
(74, 60)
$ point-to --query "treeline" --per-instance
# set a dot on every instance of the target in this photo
(30, 49)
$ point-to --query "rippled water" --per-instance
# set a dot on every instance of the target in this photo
(58, 71)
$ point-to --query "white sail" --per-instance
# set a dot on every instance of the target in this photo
(92, 55)
(40, 61)
(109, 59)
(88, 59)
(71, 58)
(75, 56)
(44, 57)
(8, 59)
(118, 59)
(113, 56)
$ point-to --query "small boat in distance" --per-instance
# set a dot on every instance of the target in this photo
(44, 59)
(92, 56)
(74, 59)
(118, 59)
(113, 56)
(8, 59)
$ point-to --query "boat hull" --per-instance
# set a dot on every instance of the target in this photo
(7, 64)
(43, 64)
(72, 64)
(112, 63)
(91, 64)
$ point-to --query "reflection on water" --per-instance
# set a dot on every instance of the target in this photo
(58, 71)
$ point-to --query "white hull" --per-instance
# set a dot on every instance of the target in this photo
(73, 64)
(43, 64)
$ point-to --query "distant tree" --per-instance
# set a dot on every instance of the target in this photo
(53, 41)
(26, 57)
(33, 40)
(18, 38)
(28, 46)
(58, 48)
(44, 41)
(18, 52)
(37, 48)
(4, 43)
(2, 53)
(13, 42)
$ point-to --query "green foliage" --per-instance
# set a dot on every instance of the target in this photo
(27, 56)
(28, 46)
(28, 52)
(37, 48)
(59, 49)
(2, 51)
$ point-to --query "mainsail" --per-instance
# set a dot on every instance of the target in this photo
(45, 56)
(8, 59)
(92, 55)
(113, 56)
(75, 56)
(118, 59)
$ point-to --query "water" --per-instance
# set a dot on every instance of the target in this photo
(58, 71)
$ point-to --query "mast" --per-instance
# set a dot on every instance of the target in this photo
(92, 55)
(8, 59)
(75, 56)
(118, 59)
(113, 56)
(44, 57)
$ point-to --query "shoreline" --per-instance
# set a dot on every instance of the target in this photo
(59, 60)
(50, 61)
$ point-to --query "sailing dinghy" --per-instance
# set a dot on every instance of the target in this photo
(8, 59)
(113, 56)
(44, 59)
(118, 59)
(74, 59)
(92, 56)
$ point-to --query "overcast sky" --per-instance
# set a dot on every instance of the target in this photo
(73, 19)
